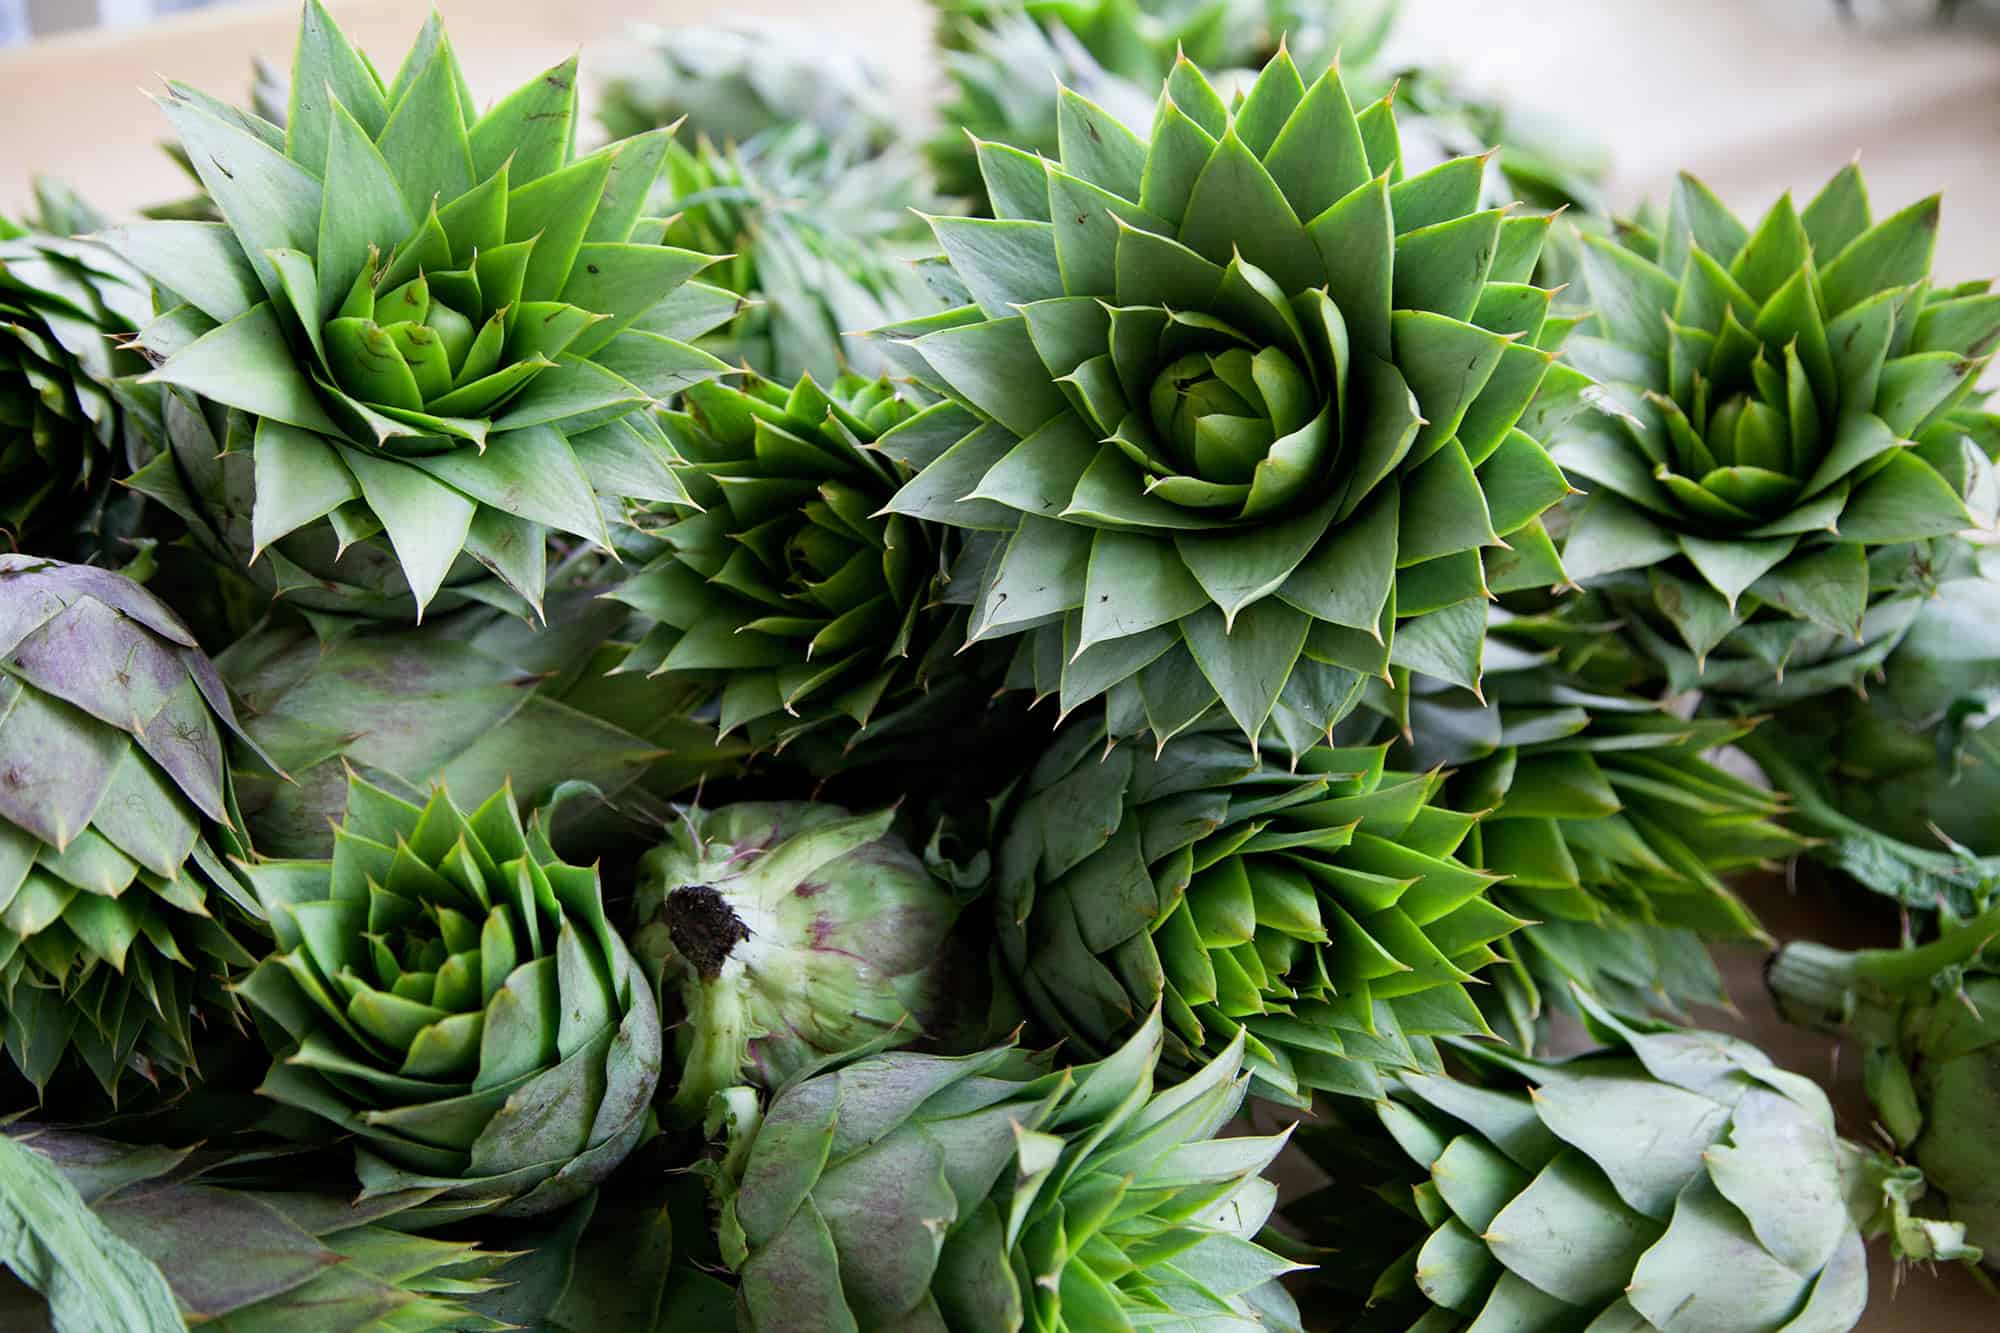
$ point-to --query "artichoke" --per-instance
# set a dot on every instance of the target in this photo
(821, 240)
(1320, 910)
(483, 701)
(1928, 1019)
(1612, 828)
(1779, 423)
(1669, 1180)
(787, 931)
(122, 911)
(1899, 784)
(818, 615)
(69, 429)
(452, 995)
(733, 82)
(242, 1258)
(424, 339)
(914, 1191)
(1246, 412)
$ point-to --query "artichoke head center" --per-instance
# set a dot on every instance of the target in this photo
(1211, 415)
(705, 929)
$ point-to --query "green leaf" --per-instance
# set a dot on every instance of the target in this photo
(1134, 583)
(1609, 534)
(247, 363)
(1094, 146)
(1443, 511)
(530, 473)
(362, 212)
(1630, 295)
(425, 519)
(299, 478)
(1443, 267)
(1243, 565)
(1837, 214)
(1447, 362)
(1894, 253)
(92, 1279)
(1449, 645)
(1828, 587)
(1903, 500)
(269, 201)
(530, 128)
(424, 142)
(554, 211)
(326, 71)
(1318, 157)
(1237, 209)
(1732, 566)
(993, 366)
(1005, 264)
(1248, 662)
(1696, 218)
(202, 258)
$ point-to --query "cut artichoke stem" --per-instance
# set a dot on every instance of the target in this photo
(704, 927)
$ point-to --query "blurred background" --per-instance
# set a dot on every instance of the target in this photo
(1755, 96)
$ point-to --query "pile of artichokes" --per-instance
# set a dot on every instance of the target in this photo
(777, 720)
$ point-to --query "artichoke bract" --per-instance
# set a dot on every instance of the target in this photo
(424, 336)
(914, 1191)
(818, 615)
(1320, 910)
(1669, 1180)
(478, 705)
(1777, 424)
(785, 932)
(68, 429)
(1928, 1019)
(452, 995)
(1246, 407)
(1898, 784)
(122, 909)
(243, 1257)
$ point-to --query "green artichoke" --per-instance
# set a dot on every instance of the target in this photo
(1613, 829)
(242, 1258)
(732, 82)
(1928, 1019)
(1778, 424)
(1899, 784)
(122, 911)
(69, 429)
(821, 239)
(1670, 1180)
(472, 705)
(423, 338)
(788, 931)
(1320, 910)
(914, 1191)
(1246, 411)
(452, 995)
(821, 618)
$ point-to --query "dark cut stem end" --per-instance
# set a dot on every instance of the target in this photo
(704, 928)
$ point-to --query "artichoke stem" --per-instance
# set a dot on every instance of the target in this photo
(703, 927)
(1814, 985)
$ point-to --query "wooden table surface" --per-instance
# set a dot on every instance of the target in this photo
(1755, 96)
